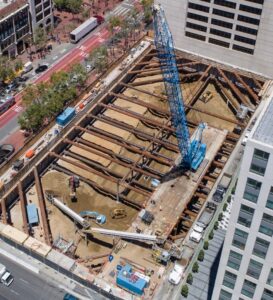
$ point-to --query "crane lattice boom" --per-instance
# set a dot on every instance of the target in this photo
(166, 55)
(192, 153)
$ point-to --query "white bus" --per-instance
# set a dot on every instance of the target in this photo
(83, 29)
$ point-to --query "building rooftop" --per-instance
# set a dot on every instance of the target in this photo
(264, 129)
(10, 6)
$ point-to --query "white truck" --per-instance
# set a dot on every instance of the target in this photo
(176, 274)
(5, 276)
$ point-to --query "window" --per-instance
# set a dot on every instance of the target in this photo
(246, 30)
(269, 202)
(199, 7)
(243, 49)
(259, 162)
(220, 33)
(224, 295)
(243, 39)
(256, 1)
(251, 9)
(239, 239)
(254, 269)
(245, 215)
(229, 280)
(260, 248)
(196, 26)
(266, 226)
(270, 278)
(248, 20)
(222, 13)
(218, 42)
(234, 260)
(261, 154)
(197, 17)
(248, 288)
(252, 190)
(225, 3)
(195, 36)
(267, 295)
(221, 23)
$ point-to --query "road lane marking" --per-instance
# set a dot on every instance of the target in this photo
(17, 108)
(23, 280)
(55, 57)
(14, 292)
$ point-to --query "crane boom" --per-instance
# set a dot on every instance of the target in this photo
(165, 51)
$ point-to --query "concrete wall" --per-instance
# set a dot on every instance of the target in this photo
(262, 60)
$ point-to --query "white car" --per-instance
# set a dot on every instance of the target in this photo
(176, 274)
(198, 228)
(89, 68)
(195, 236)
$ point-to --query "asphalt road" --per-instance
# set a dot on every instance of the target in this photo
(27, 285)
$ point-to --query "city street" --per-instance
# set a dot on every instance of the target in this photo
(27, 285)
(8, 121)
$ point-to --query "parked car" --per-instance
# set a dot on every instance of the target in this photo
(41, 68)
(176, 274)
(89, 68)
(12, 87)
(219, 193)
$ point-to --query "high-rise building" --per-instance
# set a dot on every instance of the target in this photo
(246, 265)
(18, 20)
(235, 32)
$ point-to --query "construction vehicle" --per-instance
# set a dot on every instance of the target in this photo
(118, 213)
(74, 183)
(192, 151)
(99, 218)
(160, 255)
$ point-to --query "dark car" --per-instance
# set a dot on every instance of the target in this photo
(12, 87)
(41, 68)
(219, 194)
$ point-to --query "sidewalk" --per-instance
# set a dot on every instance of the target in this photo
(49, 274)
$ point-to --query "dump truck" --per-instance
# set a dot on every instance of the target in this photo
(5, 276)
(206, 215)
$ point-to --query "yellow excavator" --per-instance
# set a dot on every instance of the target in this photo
(118, 213)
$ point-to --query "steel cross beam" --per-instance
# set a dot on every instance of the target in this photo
(42, 205)
(4, 211)
(249, 90)
(137, 116)
(168, 145)
(186, 105)
(103, 190)
(113, 157)
(94, 171)
(23, 207)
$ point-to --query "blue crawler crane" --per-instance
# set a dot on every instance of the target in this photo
(192, 152)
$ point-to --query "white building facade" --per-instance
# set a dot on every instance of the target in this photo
(234, 32)
(246, 265)
(41, 12)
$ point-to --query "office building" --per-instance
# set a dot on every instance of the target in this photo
(234, 32)
(246, 266)
(18, 20)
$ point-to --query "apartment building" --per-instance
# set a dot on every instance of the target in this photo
(18, 20)
(234, 32)
(246, 266)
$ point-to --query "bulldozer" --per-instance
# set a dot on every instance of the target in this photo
(118, 213)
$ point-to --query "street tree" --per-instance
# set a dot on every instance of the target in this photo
(18, 65)
(99, 58)
(74, 6)
(79, 73)
(113, 23)
(30, 95)
(147, 8)
(40, 38)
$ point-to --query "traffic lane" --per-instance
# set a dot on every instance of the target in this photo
(27, 285)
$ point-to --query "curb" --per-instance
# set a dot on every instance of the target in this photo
(19, 261)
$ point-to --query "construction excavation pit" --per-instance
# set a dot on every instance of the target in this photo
(111, 188)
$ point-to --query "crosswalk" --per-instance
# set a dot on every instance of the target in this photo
(123, 9)
(17, 108)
